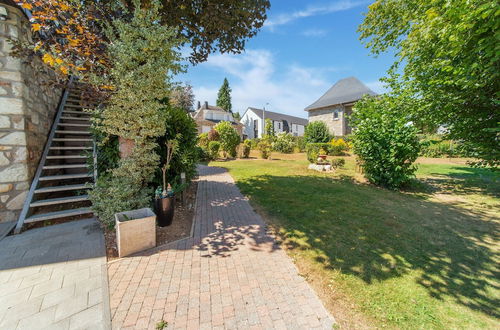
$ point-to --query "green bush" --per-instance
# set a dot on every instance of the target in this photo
(245, 148)
(213, 135)
(254, 143)
(203, 140)
(338, 162)
(435, 146)
(228, 137)
(213, 150)
(300, 143)
(385, 142)
(313, 150)
(265, 149)
(317, 132)
(284, 143)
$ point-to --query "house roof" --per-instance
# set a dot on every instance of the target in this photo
(346, 90)
(279, 116)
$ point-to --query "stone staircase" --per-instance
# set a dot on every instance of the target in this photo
(58, 190)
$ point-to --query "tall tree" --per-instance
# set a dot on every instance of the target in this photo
(447, 59)
(182, 97)
(224, 96)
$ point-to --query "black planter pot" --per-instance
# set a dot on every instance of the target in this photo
(164, 209)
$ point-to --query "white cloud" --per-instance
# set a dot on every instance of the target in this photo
(312, 11)
(314, 33)
(254, 83)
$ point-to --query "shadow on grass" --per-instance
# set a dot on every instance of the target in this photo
(376, 235)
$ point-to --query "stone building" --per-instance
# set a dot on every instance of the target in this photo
(335, 106)
(27, 108)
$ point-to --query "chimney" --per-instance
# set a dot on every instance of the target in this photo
(198, 105)
(205, 105)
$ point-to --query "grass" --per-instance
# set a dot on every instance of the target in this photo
(424, 258)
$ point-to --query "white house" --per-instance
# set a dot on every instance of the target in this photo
(207, 116)
(253, 123)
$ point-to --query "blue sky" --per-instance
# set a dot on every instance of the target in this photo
(303, 49)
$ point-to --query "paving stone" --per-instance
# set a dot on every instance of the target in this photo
(230, 274)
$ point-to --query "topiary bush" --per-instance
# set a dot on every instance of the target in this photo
(385, 142)
(245, 148)
(284, 143)
(213, 150)
(228, 138)
(265, 149)
(317, 132)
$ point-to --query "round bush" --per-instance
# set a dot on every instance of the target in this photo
(228, 137)
(317, 132)
(385, 142)
(265, 149)
(284, 143)
(245, 148)
(213, 150)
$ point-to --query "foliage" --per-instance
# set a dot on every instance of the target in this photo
(224, 96)
(448, 56)
(265, 149)
(228, 137)
(338, 162)
(435, 146)
(340, 144)
(203, 140)
(245, 149)
(313, 150)
(254, 143)
(181, 127)
(269, 129)
(213, 135)
(317, 132)
(300, 142)
(213, 149)
(385, 142)
(182, 96)
(74, 39)
(284, 142)
(237, 116)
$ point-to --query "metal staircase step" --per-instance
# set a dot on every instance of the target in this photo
(73, 124)
(61, 200)
(72, 140)
(58, 214)
(70, 148)
(58, 167)
(67, 187)
(76, 112)
(65, 177)
(75, 118)
(67, 157)
(73, 132)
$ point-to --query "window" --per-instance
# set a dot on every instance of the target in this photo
(279, 125)
(336, 114)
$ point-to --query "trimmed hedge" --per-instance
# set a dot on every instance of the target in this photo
(313, 149)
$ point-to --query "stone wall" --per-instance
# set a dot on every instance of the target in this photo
(338, 126)
(27, 109)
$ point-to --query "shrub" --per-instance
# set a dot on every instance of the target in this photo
(385, 142)
(245, 148)
(284, 143)
(203, 140)
(265, 149)
(338, 163)
(317, 132)
(255, 143)
(313, 150)
(213, 150)
(338, 147)
(300, 143)
(228, 137)
(435, 146)
(213, 135)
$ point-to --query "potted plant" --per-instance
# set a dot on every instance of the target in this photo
(164, 198)
(322, 154)
(135, 231)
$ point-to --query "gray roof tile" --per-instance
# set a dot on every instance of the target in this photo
(280, 116)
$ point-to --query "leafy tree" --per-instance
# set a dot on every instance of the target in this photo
(317, 132)
(269, 129)
(224, 96)
(385, 141)
(182, 97)
(447, 53)
(237, 116)
(228, 137)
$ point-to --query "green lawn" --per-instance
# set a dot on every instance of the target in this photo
(425, 258)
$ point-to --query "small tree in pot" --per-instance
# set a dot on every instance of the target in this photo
(164, 199)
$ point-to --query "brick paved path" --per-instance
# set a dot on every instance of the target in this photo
(54, 278)
(230, 274)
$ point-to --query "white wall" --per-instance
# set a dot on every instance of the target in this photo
(248, 124)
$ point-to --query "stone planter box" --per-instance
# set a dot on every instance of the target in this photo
(320, 168)
(135, 231)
